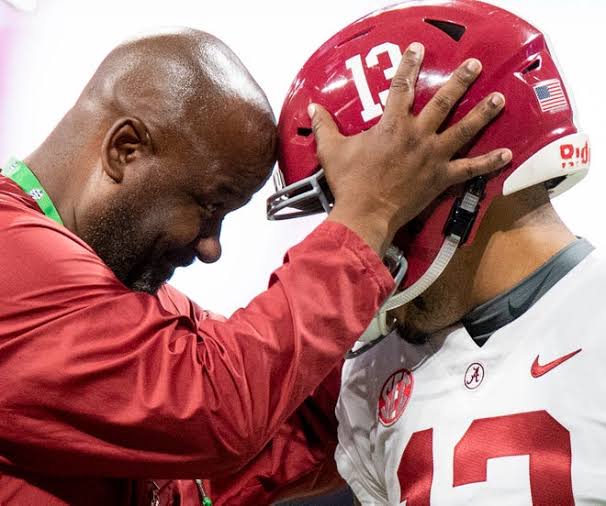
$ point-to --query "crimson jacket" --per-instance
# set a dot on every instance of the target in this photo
(102, 388)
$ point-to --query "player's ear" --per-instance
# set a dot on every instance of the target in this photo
(127, 140)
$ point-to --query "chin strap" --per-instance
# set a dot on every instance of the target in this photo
(397, 264)
(379, 325)
(447, 251)
(461, 220)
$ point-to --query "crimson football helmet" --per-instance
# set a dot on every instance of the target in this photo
(350, 76)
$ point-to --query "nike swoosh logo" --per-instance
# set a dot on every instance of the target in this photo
(538, 370)
(518, 310)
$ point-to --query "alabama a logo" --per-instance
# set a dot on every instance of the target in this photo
(394, 396)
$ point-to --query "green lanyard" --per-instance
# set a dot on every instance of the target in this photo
(26, 179)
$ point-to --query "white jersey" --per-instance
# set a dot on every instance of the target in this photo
(521, 420)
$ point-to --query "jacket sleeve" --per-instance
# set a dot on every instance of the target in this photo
(98, 380)
(297, 462)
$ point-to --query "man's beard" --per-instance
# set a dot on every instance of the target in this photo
(126, 249)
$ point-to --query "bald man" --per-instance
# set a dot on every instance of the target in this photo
(108, 376)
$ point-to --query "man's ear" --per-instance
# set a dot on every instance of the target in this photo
(127, 140)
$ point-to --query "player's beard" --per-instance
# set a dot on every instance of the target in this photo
(119, 240)
(411, 334)
(435, 310)
(405, 322)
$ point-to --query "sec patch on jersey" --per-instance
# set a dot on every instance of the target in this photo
(394, 397)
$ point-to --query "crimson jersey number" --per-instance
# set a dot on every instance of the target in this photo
(536, 434)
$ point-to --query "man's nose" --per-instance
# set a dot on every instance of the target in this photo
(208, 249)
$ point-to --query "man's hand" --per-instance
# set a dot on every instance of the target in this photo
(384, 177)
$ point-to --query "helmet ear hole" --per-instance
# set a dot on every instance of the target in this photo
(304, 132)
(454, 31)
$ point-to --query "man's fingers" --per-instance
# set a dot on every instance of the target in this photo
(438, 108)
(468, 168)
(459, 134)
(402, 90)
(324, 128)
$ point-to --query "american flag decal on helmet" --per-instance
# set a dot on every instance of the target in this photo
(551, 96)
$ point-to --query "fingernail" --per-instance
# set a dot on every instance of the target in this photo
(506, 156)
(473, 65)
(497, 100)
(416, 50)
(311, 110)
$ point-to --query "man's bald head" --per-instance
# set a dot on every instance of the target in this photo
(170, 134)
(188, 81)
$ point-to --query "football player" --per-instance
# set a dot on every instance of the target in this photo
(479, 382)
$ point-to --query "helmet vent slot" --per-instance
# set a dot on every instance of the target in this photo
(454, 31)
(355, 36)
(304, 132)
(535, 65)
